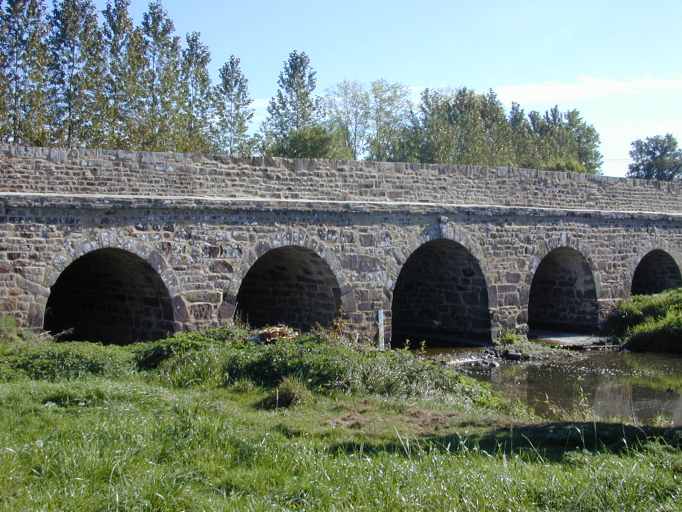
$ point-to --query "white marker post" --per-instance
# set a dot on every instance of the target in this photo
(380, 327)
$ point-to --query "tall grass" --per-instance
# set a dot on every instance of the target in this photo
(214, 421)
(650, 322)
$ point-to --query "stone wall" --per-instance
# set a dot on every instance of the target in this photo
(82, 171)
(306, 240)
(202, 250)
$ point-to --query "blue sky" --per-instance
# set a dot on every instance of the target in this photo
(619, 63)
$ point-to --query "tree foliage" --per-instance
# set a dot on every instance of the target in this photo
(294, 105)
(22, 46)
(75, 70)
(656, 158)
(309, 142)
(195, 106)
(347, 108)
(122, 49)
(233, 111)
(71, 78)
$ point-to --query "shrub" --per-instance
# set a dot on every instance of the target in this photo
(67, 361)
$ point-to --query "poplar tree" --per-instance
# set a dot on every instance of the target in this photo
(123, 64)
(194, 130)
(75, 74)
(293, 107)
(4, 113)
(233, 111)
(159, 80)
(23, 71)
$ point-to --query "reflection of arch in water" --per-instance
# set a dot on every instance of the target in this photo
(657, 271)
(109, 295)
(563, 294)
(440, 297)
(289, 285)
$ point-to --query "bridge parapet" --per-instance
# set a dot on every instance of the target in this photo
(110, 172)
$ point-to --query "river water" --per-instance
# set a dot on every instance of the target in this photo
(631, 387)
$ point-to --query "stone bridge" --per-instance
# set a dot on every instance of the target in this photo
(122, 246)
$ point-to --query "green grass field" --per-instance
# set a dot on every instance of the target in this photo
(211, 421)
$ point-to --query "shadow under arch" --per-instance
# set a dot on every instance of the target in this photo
(112, 296)
(563, 294)
(657, 271)
(441, 297)
(290, 285)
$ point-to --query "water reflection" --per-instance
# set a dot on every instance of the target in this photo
(637, 388)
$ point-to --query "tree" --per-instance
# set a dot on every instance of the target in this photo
(160, 106)
(75, 74)
(347, 109)
(314, 141)
(233, 111)
(23, 71)
(563, 141)
(389, 109)
(4, 113)
(656, 158)
(122, 51)
(194, 130)
(293, 107)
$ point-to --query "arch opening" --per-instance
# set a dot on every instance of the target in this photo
(563, 294)
(656, 272)
(110, 296)
(441, 297)
(289, 285)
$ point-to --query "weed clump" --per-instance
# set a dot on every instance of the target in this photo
(510, 337)
(290, 392)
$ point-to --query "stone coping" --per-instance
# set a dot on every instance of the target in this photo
(193, 203)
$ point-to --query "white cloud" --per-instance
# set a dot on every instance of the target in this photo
(583, 89)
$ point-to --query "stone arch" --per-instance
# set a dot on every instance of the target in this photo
(656, 271)
(285, 238)
(289, 285)
(113, 240)
(441, 295)
(644, 247)
(109, 295)
(444, 230)
(564, 292)
(74, 249)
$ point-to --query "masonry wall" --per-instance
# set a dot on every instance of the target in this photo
(202, 250)
(82, 171)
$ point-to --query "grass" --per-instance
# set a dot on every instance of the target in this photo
(211, 421)
(650, 322)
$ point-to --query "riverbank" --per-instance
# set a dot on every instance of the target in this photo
(214, 421)
(649, 323)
